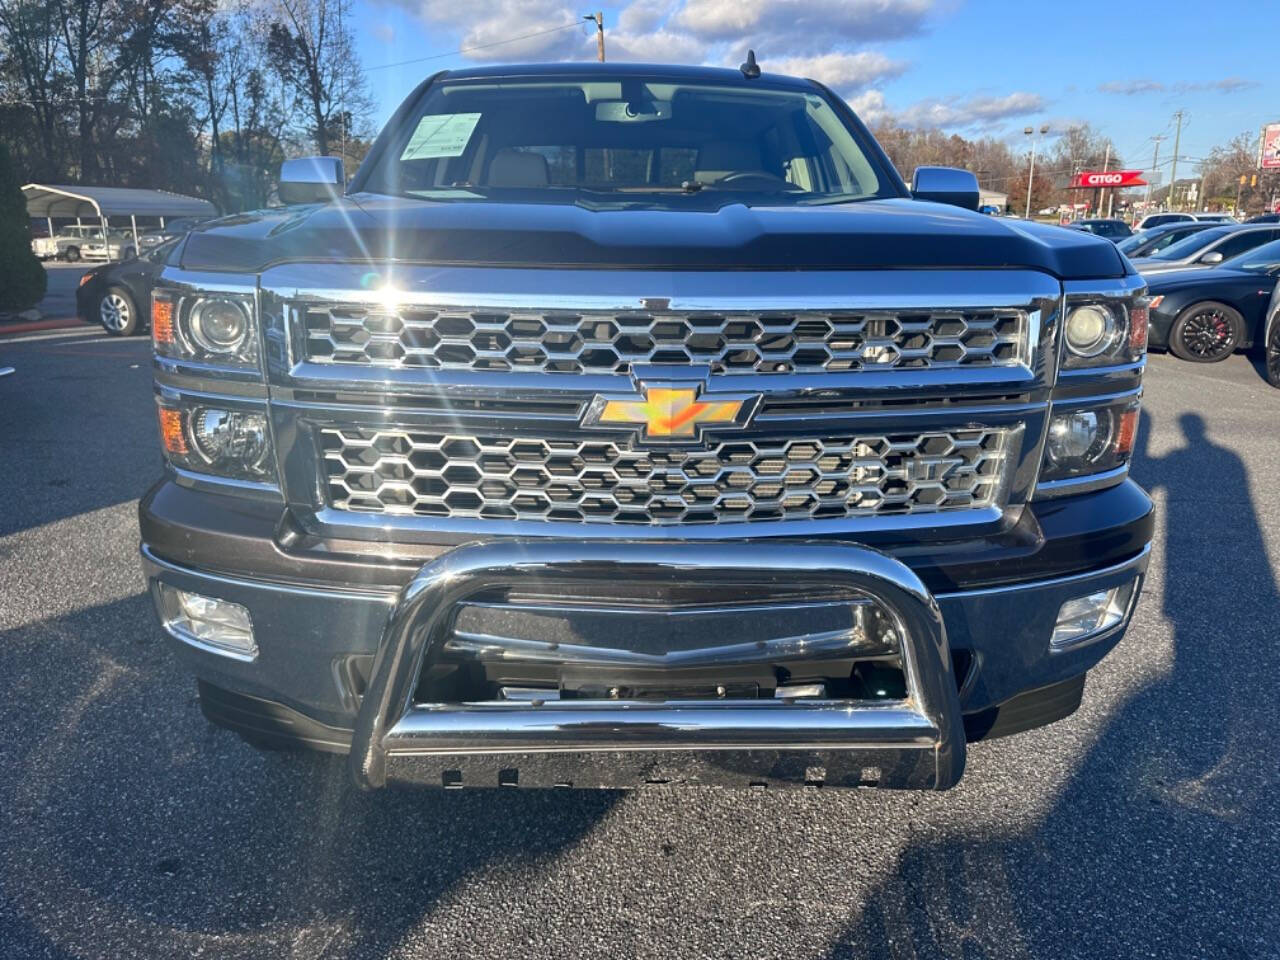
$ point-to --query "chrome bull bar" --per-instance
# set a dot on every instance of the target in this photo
(917, 742)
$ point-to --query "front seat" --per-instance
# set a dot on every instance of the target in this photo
(719, 158)
(518, 168)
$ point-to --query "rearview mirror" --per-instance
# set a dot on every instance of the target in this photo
(311, 180)
(946, 185)
(632, 111)
(1211, 258)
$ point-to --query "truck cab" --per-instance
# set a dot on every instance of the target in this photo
(625, 423)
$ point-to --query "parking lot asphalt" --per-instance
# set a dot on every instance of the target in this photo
(1146, 825)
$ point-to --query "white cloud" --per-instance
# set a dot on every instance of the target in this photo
(843, 72)
(870, 107)
(798, 27)
(1131, 88)
(974, 112)
(484, 29)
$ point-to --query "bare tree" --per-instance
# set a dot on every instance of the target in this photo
(312, 49)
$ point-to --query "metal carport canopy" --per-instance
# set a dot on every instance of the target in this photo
(70, 200)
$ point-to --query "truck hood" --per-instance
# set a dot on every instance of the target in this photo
(879, 234)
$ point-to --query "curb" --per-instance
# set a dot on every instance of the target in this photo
(36, 325)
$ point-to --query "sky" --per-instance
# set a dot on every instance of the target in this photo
(973, 67)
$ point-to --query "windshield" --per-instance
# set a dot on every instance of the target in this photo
(1131, 243)
(1188, 246)
(626, 141)
(1263, 259)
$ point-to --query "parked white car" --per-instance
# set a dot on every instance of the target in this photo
(85, 243)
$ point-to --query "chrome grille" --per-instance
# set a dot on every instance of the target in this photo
(610, 342)
(412, 472)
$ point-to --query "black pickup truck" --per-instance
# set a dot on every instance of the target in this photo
(625, 424)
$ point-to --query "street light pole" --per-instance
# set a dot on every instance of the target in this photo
(1031, 169)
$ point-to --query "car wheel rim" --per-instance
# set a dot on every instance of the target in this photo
(1273, 358)
(1209, 333)
(114, 312)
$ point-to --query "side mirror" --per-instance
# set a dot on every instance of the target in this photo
(946, 185)
(1211, 258)
(311, 180)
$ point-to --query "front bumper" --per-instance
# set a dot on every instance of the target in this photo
(315, 675)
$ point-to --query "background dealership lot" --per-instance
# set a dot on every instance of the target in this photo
(1147, 824)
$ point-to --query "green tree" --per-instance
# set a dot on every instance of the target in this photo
(22, 278)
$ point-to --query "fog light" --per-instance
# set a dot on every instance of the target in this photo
(219, 626)
(1083, 618)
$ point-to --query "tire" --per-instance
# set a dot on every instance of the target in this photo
(72, 254)
(1206, 332)
(1271, 355)
(117, 312)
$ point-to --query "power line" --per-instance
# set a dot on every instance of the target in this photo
(478, 46)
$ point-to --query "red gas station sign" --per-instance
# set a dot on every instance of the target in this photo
(1092, 179)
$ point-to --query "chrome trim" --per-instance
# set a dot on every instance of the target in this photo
(392, 730)
(212, 483)
(275, 586)
(1137, 560)
(1086, 483)
(1130, 285)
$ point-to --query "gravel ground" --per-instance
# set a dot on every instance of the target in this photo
(1145, 825)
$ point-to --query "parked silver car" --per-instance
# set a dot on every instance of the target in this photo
(1209, 247)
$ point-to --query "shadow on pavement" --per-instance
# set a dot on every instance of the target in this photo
(77, 429)
(122, 803)
(1177, 796)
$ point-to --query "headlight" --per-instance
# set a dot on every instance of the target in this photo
(220, 440)
(208, 328)
(1089, 440)
(1105, 332)
(1091, 329)
(218, 325)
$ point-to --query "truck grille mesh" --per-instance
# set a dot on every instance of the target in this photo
(429, 474)
(609, 342)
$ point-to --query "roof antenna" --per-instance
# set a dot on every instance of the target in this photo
(750, 69)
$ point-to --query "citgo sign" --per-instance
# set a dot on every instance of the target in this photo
(1092, 179)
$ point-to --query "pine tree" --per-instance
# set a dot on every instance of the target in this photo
(22, 277)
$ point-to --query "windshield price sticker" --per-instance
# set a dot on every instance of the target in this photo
(441, 135)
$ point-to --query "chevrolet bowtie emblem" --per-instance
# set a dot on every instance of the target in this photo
(671, 413)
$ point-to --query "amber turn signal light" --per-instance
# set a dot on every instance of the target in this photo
(171, 433)
(1127, 432)
(161, 319)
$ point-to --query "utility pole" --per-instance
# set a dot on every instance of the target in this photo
(1155, 167)
(598, 17)
(1102, 191)
(1177, 142)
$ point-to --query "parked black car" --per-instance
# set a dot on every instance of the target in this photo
(1265, 218)
(1272, 341)
(1206, 315)
(1100, 227)
(116, 295)
(1147, 243)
